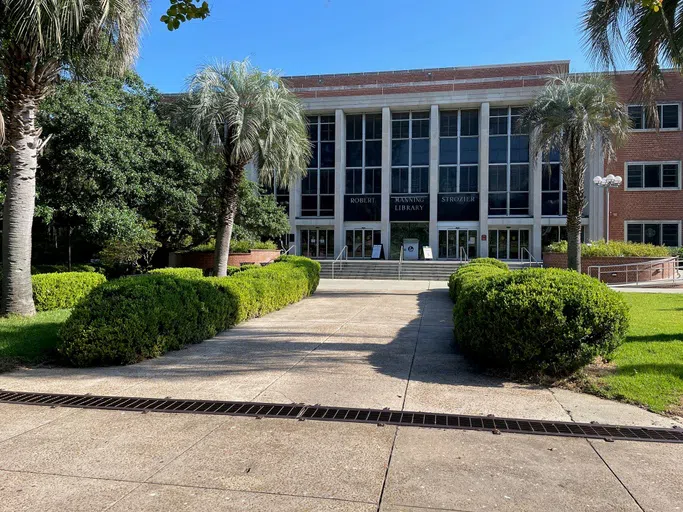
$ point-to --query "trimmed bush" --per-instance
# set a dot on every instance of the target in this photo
(134, 318)
(614, 249)
(184, 272)
(471, 272)
(50, 269)
(538, 320)
(63, 290)
(489, 261)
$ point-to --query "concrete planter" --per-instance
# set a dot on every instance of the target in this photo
(618, 270)
(204, 260)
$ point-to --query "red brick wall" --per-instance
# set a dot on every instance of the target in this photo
(643, 147)
(663, 269)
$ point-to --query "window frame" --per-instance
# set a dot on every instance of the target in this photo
(458, 165)
(659, 113)
(661, 165)
(642, 223)
(410, 140)
(319, 168)
(364, 168)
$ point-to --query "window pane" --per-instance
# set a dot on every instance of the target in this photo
(448, 124)
(469, 122)
(498, 150)
(327, 131)
(669, 116)
(421, 152)
(354, 127)
(448, 179)
(309, 184)
(399, 152)
(469, 178)
(373, 153)
(550, 203)
(635, 113)
(448, 151)
(327, 181)
(354, 153)
(326, 206)
(498, 204)
(420, 180)
(670, 175)
(634, 176)
(519, 203)
(327, 154)
(652, 176)
(550, 177)
(651, 234)
(634, 233)
(373, 181)
(442, 244)
(498, 178)
(420, 128)
(519, 148)
(469, 150)
(354, 181)
(670, 235)
(399, 129)
(313, 162)
(519, 177)
(498, 121)
(399, 181)
(373, 126)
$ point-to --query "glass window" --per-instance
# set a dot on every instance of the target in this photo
(354, 181)
(448, 151)
(373, 153)
(448, 179)
(317, 187)
(354, 154)
(459, 147)
(668, 116)
(469, 150)
(667, 234)
(373, 127)
(497, 178)
(354, 127)
(670, 175)
(400, 152)
(373, 181)
(651, 173)
(448, 122)
(420, 152)
(469, 123)
(634, 176)
(410, 148)
(327, 154)
(519, 148)
(498, 150)
(420, 180)
(670, 235)
(641, 119)
(519, 177)
(399, 180)
(635, 113)
(651, 234)
(469, 178)
(364, 153)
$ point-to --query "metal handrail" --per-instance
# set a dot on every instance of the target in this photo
(344, 252)
(532, 260)
(285, 253)
(629, 267)
(463, 255)
(400, 263)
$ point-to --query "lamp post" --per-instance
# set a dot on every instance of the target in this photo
(607, 182)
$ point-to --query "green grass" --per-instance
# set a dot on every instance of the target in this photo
(648, 368)
(29, 340)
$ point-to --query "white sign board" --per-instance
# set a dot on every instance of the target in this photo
(427, 251)
(411, 249)
(376, 252)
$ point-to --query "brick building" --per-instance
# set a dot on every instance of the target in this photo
(435, 155)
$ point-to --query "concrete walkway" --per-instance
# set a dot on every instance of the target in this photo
(356, 343)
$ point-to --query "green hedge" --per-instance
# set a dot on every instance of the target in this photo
(64, 289)
(489, 261)
(538, 320)
(468, 274)
(50, 269)
(614, 249)
(185, 272)
(134, 318)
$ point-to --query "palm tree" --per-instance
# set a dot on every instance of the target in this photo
(38, 41)
(574, 114)
(647, 32)
(251, 116)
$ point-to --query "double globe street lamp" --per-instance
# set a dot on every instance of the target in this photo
(608, 182)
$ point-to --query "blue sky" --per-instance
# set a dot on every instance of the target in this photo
(342, 36)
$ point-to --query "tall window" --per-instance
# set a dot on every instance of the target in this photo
(554, 195)
(656, 233)
(668, 117)
(508, 163)
(459, 151)
(410, 153)
(364, 154)
(653, 175)
(317, 187)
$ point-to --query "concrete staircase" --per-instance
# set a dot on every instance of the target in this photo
(374, 269)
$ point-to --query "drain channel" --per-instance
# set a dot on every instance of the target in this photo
(343, 414)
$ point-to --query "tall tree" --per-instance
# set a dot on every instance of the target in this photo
(649, 33)
(251, 116)
(37, 40)
(574, 114)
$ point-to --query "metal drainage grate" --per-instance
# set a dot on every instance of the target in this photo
(341, 414)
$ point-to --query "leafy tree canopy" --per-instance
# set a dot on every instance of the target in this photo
(184, 10)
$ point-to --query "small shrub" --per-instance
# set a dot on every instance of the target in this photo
(49, 269)
(236, 246)
(613, 249)
(489, 261)
(135, 318)
(467, 274)
(538, 320)
(63, 290)
(184, 272)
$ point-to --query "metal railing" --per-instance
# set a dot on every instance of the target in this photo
(400, 263)
(463, 255)
(532, 262)
(649, 269)
(291, 248)
(341, 257)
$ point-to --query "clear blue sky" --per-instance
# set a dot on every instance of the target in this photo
(343, 36)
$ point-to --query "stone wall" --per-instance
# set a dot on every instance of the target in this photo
(613, 270)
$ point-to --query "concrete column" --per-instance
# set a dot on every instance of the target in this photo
(434, 178)
(386, 178)
(595, 194)
(339, 178)
(484, 179)
(536, 172)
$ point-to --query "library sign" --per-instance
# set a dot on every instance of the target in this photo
(458, 207)
(409, 208)
(366, 207)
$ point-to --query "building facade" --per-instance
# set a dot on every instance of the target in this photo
(436, 156)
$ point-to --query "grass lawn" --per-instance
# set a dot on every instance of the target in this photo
(648, 368)
(29, 340)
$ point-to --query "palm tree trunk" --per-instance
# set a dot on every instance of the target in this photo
(574, 179)
(17, 293)
(226, 219)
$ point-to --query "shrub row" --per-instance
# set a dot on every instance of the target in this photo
(63, 289)
(613, 249)
(535, 321)
(470, 273)
(134, 318)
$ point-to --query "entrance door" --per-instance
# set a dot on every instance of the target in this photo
(359, 242)
(508, 244)
(452, 240)
(317, 243)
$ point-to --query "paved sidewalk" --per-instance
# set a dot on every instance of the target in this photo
(349, 345)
